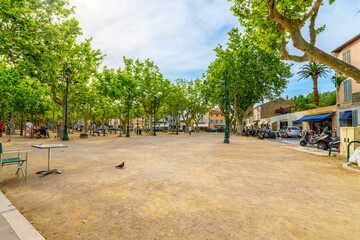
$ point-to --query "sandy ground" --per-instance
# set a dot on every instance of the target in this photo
(181, 187)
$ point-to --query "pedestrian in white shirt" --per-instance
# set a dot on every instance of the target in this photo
(190, 128)
(28, 128)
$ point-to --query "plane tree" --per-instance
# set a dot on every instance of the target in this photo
(272, 24)
(254, 75)
(151, 87)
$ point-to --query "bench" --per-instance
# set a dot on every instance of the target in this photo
(10, 162)
(83, 135)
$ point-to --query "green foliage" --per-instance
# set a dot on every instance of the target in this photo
(253, 75)
(303, 103)
(313, 69)
(338, 80)
(253, 15)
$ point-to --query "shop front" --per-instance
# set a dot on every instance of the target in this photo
(318, 119)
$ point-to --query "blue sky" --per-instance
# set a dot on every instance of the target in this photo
(180, 35)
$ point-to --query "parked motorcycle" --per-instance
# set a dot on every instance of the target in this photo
(309, 138)
(270, 135)
(260, 135)
(324, 141)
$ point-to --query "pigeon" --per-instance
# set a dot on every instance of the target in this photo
(121, 165)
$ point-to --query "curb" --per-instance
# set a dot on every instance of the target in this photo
(347, 167)
(22, 228)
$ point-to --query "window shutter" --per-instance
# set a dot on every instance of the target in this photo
(350, 90)
(346, 56)
(341, 122)
(354, 118)
(345, 91)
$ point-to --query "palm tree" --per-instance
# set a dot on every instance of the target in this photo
(314, 70)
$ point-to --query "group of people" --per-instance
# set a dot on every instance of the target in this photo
(30, 131)
(8, 129)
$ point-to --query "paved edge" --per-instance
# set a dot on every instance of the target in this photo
(17, 221)
(347, 167)
(311, 151)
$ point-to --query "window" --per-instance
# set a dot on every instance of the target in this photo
(221, 115)
(348, 91)
(212, 121)
(221, 121)
(347, 56)
(217, 115)
(202, 119)
(258, 117)
(211, 115)
(216, 121)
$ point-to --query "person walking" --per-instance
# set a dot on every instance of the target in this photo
(8, 130)
(28, 128)
(190, 128)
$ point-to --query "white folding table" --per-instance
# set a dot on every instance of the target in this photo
(49, 147)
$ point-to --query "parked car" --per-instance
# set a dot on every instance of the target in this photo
(289, 132)
(214, 130)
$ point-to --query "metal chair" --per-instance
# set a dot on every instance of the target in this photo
(10, 162)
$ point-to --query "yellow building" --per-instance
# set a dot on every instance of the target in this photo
(216, 119)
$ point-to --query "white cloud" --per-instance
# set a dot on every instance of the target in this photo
(180, 35)
(177, 35)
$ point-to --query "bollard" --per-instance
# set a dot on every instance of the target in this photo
(348, 149)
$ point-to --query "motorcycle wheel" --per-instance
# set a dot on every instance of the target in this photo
(322, 146)
(303, 143)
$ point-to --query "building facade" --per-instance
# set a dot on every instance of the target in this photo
(287, 120)
(263, 112)
(215, 118)
(348, 93)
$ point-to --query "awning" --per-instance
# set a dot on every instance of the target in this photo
(261, 123)
(253, 123)
(346, 115)
(315, 118)
(265, 123)
(202, 125)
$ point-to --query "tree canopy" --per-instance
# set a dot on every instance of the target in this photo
(280, 21)
(253, 75)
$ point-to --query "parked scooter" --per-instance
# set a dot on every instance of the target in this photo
(260, 135)
(324, 141)
(309, 138)
(270, 134)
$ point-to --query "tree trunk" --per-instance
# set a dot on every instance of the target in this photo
(53, 118)
(315, 92)
(85, 123)
(13, 121)
(294, 27)
(151, 124)
(123, 123)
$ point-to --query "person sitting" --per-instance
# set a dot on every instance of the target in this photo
(37, 132)
(44, 132)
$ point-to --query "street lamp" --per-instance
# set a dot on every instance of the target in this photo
(154, 117)
(128, 116)
(66, 137)
(21, 128)
(227, 133)
(177, 119)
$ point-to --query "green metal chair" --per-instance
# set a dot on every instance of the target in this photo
(13, 162)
